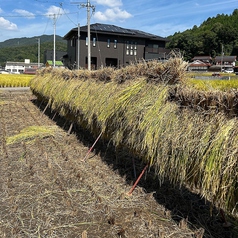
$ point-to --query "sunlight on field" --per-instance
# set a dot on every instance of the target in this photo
(30, 133)
(14, 80)
(224, 82)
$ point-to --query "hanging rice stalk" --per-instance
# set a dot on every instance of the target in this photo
(180, 131)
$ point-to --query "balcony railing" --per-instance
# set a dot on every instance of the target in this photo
(152, 50)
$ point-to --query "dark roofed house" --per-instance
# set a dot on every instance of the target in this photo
(112, 46)
(225, 60)
(204, 59)
(49, 55)
(223, 63)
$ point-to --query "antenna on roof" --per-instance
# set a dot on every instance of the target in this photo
(88, 6)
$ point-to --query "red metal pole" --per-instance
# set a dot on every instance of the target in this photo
(92, 147)
(137, 181)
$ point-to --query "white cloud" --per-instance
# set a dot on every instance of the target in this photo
(112, 14)
(53, 10)
(166, 29)
(7, 25)
(109, 3)
(100, 16)
(24, 13)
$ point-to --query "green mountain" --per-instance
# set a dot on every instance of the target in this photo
(19, 49)
(213, 35)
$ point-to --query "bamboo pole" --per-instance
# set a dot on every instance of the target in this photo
(45, 109)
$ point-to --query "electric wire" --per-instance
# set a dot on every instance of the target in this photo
(35, 15)
(69, 17)
(45, 1)
(97, 41)
(46, 26)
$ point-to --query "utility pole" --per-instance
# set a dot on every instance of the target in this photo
(78, 45)
(38, 53)
(221, 56)
(54, 40)
(88, 6)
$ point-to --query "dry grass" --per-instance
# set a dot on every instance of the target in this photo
(31, 133)
(47, 191)
(133, 108)
(212, 100)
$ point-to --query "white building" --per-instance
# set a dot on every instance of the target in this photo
(22, 67)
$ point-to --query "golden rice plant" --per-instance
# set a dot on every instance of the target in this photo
(15, 80)
(197, 148)
(207, 85)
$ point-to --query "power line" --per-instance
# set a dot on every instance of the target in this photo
(45, 1)
(37, 15)
(68, 16)
(46, 25)
(88, 6)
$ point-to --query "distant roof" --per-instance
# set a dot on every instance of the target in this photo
(57, 63)
(204, 57)
(225, 58)
(116, 30)
(20, 63)
(198, 63)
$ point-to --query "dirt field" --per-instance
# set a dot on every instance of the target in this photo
(48, 191)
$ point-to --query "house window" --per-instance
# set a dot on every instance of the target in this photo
(131, 52)
(127, 48)
(94, 41)
(86, 40)
(135, 46)
(115, 44)
(73, 42)
(108, 43)
(135, 52)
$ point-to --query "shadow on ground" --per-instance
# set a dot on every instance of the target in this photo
(179, 202)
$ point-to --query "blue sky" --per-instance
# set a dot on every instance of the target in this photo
(29, 18)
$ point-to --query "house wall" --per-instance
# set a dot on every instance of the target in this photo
(71, 52)
(49, 55)
(105, 52)
(123, 51)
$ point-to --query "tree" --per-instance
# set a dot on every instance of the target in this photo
(208, 37)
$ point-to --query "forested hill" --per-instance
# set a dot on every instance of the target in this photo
(18, 49)
(209, 37)
(30, 40)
